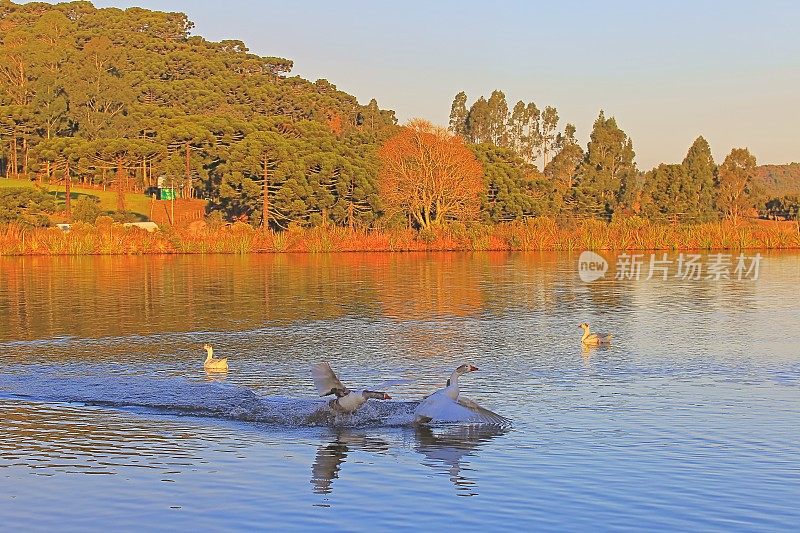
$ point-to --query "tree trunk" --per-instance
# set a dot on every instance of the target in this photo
(25, 156)
(120, 186)
(15, 164)
(350, 216)
(265, 204)
(67, 191)
(188, 171)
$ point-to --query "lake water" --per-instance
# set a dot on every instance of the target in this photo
(690, 420)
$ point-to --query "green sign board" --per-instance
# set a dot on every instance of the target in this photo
(166, 194)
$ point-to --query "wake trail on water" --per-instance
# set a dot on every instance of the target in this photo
(207, 399)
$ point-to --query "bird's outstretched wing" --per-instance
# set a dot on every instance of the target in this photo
(481, 414)
(326, 381)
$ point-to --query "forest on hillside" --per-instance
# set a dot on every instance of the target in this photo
(122, 98)
(119, 98)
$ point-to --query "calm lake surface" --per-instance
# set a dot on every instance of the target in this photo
(689, 421)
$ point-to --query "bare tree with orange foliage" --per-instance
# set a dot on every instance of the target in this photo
(430, 175)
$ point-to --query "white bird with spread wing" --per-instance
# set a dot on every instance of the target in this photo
(346, 401)
(447, 405)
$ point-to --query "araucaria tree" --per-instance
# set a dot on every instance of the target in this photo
(429, 175)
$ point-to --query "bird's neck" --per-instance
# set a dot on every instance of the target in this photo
(585, 333)
(210, 353)
(452, 384)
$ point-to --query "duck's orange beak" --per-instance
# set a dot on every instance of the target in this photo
(472, 368)
(386, 396)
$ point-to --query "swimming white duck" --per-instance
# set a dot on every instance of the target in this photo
(212, 364)
(594, 339)
(346, 401)
(447, 405)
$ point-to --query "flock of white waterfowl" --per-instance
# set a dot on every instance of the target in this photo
(444, 405)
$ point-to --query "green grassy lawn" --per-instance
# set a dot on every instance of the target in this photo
(136, 203)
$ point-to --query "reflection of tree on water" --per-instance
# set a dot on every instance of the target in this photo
(450, 447)
(444, 451)
(330, 457)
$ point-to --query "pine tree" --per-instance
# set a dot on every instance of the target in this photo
(606, 179)
(700, 168)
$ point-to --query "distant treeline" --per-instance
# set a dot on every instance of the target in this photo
(128, 99)
(603, 179)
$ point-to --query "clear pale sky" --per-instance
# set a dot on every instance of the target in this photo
(668, 71)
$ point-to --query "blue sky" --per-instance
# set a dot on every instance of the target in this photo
(668, 71)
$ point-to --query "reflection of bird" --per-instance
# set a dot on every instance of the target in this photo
(446, 405)
(211, 363)
(329, 458)
(451, 447)
(346, 401)
(594, 339)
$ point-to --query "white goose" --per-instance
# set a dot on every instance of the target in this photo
(446, 405)
(212, 364)
(346, 401)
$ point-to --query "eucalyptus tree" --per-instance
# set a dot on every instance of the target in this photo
(736, 190)
(458, 115)
(547, 133)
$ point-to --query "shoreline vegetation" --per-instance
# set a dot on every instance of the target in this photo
(541, 234)
(103, 110)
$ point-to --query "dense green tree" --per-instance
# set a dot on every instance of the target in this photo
(606, 179)
(261, 159)
(506, 197)
(785, 207)
(479, 122)
(701, 170)
(187, 141)
(668, 194)
(152, 101)
(562, 168)
(25, 206)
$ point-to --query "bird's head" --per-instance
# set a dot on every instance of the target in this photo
(465, 368)
(585, 325)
